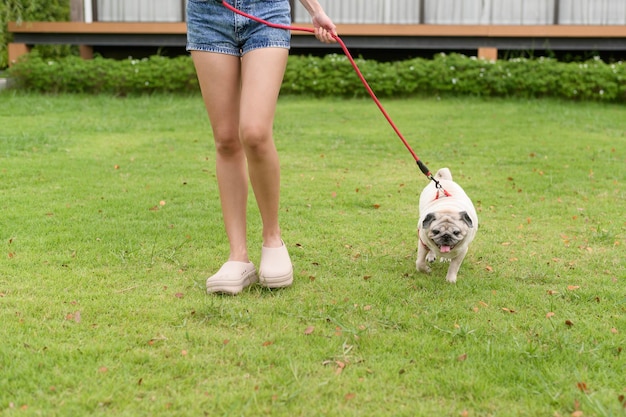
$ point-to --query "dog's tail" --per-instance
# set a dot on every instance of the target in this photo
(444, 174)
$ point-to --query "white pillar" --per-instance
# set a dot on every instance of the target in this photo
(88, 11)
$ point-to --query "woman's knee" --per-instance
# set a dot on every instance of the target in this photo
(256, 139)
(227, 144)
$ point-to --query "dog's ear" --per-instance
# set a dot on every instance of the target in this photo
(466, 218)
(430, 217)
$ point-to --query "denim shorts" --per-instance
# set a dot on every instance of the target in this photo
(211, 27)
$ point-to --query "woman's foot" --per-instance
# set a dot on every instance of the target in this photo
(232, 278)
(275, 270)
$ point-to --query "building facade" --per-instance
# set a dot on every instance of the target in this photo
(410, 12)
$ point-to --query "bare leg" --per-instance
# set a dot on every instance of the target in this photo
(240, 96)
(222, 98)
(261, 78)
(261, 75)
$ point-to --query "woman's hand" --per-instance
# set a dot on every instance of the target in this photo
(325, 29)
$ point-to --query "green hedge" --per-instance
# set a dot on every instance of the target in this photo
(459, 75)
(99, 75)
(31, 10)
(333, 75)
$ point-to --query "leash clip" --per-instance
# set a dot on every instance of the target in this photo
(431, 177)
(437, 183)
(439, 187)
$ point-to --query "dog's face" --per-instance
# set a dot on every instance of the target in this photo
(447, 230)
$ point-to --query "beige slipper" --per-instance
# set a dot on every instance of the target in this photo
(275, 270)
(232, 278)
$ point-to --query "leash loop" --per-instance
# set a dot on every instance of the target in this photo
(420, 164)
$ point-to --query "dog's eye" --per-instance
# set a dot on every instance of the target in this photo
(457, 233)
(435, 232)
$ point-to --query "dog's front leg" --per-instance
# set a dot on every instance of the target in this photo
(422, 252)
(455, 265)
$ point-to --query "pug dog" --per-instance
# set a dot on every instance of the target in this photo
(447, 224)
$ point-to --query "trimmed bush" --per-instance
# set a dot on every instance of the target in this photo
(99, 75)
(459, 75)
(332, 75)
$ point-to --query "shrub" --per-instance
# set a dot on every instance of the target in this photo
(33, 10)
(460, 75)
(100, 75)
(332, 75)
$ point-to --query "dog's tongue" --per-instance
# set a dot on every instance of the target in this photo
(444, 249)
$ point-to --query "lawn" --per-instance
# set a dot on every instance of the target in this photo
(110, 224)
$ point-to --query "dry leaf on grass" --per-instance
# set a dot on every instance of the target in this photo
(73, 316)
(340, 366)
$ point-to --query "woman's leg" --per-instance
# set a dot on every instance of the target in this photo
(220, 81)
(261, 77)
(262, 73)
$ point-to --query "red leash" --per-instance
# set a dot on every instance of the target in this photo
(420, 164)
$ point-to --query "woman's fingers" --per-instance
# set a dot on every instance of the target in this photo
(324, 36)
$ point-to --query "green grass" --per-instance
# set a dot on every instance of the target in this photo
(111, 223)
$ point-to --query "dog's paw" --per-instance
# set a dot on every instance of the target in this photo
(422, 267)
(431, 257)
